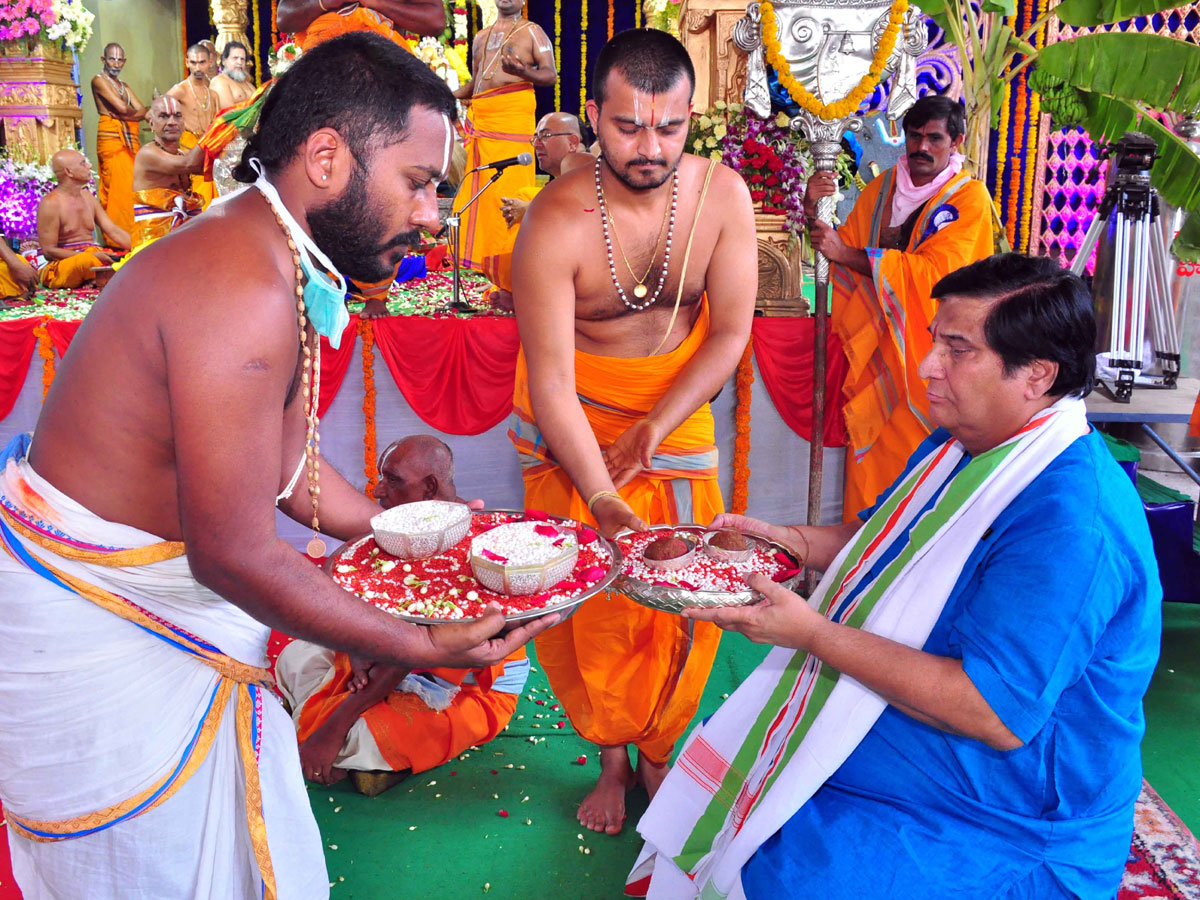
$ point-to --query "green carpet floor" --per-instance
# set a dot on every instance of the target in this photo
(441, 835)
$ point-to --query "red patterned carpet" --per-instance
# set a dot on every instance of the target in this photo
(1164, 858)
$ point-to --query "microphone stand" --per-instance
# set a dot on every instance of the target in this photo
(456, 304)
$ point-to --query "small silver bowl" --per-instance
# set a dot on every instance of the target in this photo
(671, 565)
(728, 556)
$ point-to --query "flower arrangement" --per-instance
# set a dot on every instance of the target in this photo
(662, 14)
(64, 22)
(772, 159)
(282, 56)
(444, 61)
(22, 186)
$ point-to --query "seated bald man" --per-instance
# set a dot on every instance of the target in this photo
(66, 222)
(377, 722)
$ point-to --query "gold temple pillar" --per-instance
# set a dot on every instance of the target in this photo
(39, 100)
(706, 30)
(231, 19)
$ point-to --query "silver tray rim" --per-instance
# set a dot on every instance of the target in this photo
(675, 599)
(567, 607)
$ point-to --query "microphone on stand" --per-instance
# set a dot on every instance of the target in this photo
(521, 159)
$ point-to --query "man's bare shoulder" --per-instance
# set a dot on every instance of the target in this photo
(224, 274)
(562, 206)
(177, 91)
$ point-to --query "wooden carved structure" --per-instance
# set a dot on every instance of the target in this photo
(706, 29)
(39, 100)
(232, 20)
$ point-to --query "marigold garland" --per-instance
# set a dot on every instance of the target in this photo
(274, 13)
(744, 384)
(583, 60)
(1002, 139)
(1014, 177)
(370, 462)
(257, 43)
(558, 52)
(637, 14)
(46, 352)
(1035, 124)
(611, 16)
(866, 86)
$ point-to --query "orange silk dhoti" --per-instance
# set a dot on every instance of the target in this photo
(117, 144)
(73, 271)
(627, 674)
(883, 321)
(334, 23)
(405, 731)
(498, 268)
(200, 185)
(499, 124)
(159, 211)
(8, 284)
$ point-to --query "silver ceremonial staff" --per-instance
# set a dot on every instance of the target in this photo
(829, 48)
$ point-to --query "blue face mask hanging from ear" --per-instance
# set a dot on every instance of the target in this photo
(324, 294)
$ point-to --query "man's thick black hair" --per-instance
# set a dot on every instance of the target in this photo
(932, 108)
(1041, 311)
(650, 60)
(360, 84)
(234, 45)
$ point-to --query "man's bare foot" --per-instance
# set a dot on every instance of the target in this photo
(317, 754)
(604, 808)
(360, 673)
(651, 775)
(501, 299)
(374, 309)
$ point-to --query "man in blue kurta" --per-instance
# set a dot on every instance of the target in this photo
(1004, 762)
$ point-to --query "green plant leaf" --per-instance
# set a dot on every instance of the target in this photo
(1004, 7)
(1106, 12)
(1176, 173)
(1155, 71)
(1186, 246)
(933, 8)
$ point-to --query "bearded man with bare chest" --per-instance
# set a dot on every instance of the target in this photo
(639, 320)
(143, 571)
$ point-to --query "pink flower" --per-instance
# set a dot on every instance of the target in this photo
(494, 557)
(546, 530)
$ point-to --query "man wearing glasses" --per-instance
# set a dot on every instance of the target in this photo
(558, 146)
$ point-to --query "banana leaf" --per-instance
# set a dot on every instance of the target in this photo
(1155, 71)
(1186, 247)
(1175, 174)
(1106, 12)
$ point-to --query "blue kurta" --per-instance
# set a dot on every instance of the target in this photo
(1057, 619)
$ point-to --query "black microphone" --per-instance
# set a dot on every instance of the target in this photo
(521, 159)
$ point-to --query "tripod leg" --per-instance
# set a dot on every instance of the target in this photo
(1088, 245)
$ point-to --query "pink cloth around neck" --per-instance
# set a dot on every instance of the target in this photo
(907, 197)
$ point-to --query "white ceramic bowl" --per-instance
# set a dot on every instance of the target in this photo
(522, 577)
(421, 529)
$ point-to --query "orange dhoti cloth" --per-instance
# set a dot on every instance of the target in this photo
(159, 211)
(117, 144)
(627, 674)
(8, 284)
(499, 124)
(335, 23)
(498, 268)
(73, 271)
(429, 719)
(201, 186)
(883, 321)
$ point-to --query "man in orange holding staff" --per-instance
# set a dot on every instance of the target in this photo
(640, 320)
(509, 57)
(915, 223)
(117, 138)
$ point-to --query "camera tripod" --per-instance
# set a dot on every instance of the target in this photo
(1131, 287)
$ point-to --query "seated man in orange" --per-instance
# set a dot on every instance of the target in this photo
(17, 277)
(162, 175)
(373, 721)
(66, 221)
(313, 21)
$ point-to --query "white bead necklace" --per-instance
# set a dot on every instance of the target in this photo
(639, 290)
